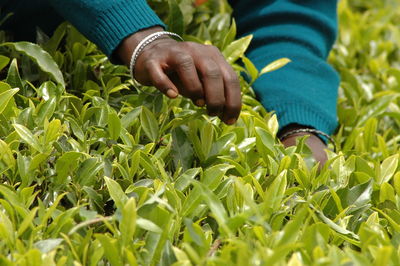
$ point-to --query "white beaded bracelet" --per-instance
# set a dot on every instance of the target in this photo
(146, 41)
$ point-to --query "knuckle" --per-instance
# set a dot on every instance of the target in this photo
(188, 44)
(214, 48)
(184, 61)
(233, 81)
(212, 71)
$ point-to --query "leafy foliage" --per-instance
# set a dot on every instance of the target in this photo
(104, 171)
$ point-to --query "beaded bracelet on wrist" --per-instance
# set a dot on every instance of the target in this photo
(146, 41)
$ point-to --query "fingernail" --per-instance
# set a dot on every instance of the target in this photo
(171, 93)
(200, 102)
(231, 121)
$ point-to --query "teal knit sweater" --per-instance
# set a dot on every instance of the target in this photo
(303, 92)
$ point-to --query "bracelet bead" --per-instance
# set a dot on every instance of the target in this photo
(146, 41)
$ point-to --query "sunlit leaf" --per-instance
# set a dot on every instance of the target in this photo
(275, 65)
(41, 57)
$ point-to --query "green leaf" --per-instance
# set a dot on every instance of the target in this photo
(184, 180)
(396, 181)
(148, 165)
(129, 118)
(273, 125)
(48, 245)
(376, 108)
(251, 68)
(116, 193)
(388, 168)
(13, 77)
(217, 209)
(337, 228)
(128, 221)
(27, 222)
(148, 225)
(5, 98)
(277, 64)
(26, 135)
(6, 154)
(275, 192)
(4, 60)
(52, 131)
(114, 125)
(265, 143)
(354, 199)
(182, 150)
(76, 129)
(292, 228)
(36, 161)
(41, 57)
(387, 193)
(46, 110)
(222, 144)
(87, 171)
(212, 176)
(175, 19)
(111, 249)
(65, 164)
(236, 49)
(206, 138)
(149, 124)
(55, 40)
(49, 89)
(230, 36)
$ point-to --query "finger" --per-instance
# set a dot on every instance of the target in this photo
(233, 97)
(160, 80)
(213, 86)
(184, 66)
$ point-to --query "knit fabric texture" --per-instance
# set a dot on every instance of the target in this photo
(305, 90)
(107, 22)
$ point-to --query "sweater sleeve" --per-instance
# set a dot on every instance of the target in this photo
(107, 22)
(304, 91)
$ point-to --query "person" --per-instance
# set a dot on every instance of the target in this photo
(303, 93)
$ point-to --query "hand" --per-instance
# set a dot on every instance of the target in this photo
(316, 145)
(196, 71)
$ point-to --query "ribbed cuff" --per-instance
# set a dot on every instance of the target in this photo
(121, 20)
(295, 113)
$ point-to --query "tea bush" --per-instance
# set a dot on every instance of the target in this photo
(97, 170)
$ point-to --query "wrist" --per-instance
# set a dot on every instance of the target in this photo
(128, 45)
(292, 127)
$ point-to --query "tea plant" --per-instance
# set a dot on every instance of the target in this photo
(98, 170)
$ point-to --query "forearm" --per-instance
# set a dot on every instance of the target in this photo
(304, 91)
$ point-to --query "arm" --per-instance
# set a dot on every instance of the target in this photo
(193, 70)
(304, 93)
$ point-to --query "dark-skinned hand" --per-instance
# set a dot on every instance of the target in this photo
(196, 71)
